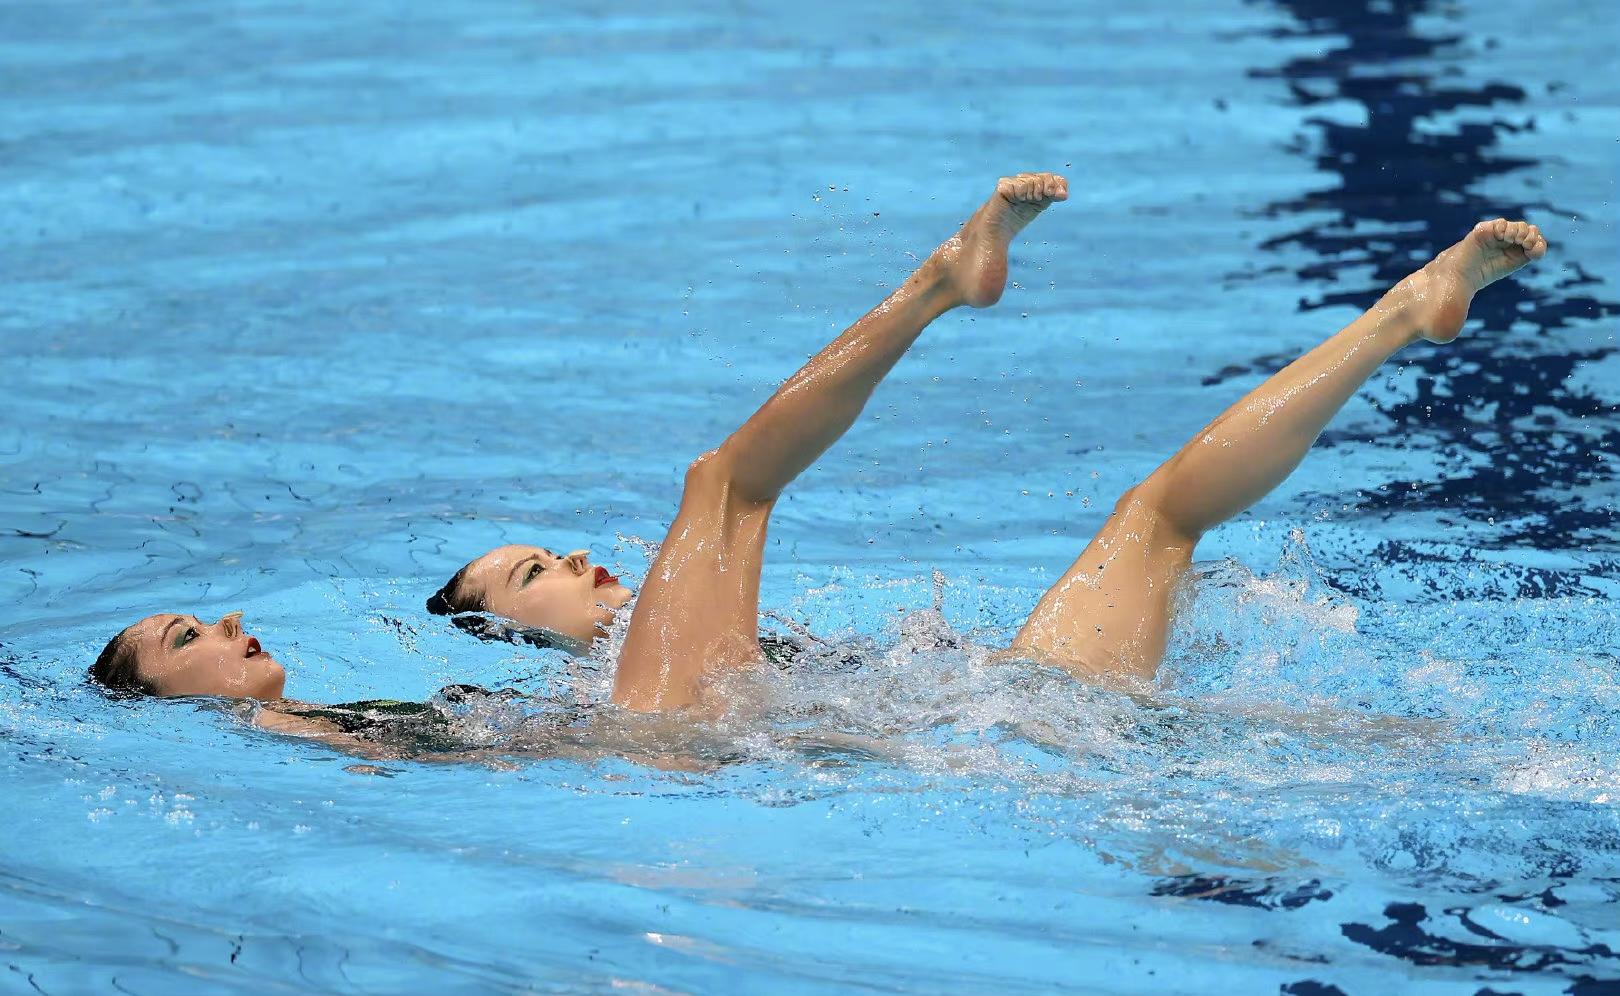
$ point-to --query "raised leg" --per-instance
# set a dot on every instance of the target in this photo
(698, 613)
(1111, 610)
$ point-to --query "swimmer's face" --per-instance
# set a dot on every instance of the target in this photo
(182, 655)
(532, 585)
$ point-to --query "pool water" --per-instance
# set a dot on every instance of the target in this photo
(304, 305)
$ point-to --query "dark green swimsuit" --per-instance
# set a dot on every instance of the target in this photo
(413, 727)
(427, 727)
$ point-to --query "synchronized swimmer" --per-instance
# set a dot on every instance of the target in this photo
(697, 614)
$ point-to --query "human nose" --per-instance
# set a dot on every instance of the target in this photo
(578, 561)
(231, 622)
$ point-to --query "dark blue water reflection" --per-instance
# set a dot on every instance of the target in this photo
(1517, 435)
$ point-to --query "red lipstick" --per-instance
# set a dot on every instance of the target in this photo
(604, 578)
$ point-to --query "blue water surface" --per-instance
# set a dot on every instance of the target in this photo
(303, 305)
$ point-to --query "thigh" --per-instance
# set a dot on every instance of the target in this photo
(1110, 613)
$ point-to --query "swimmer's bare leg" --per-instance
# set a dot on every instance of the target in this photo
(1111, 611)
(819, 403)
(697, 613)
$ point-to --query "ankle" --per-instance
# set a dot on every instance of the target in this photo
(934, 283)
(1399, 311)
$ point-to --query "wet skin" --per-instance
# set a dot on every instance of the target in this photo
(698, 612)
(182, 655)
(534, 586)
(179, 655)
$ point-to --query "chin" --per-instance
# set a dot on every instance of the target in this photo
(275, 680)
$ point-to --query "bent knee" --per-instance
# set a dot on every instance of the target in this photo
(706, 464)
(1151, 513)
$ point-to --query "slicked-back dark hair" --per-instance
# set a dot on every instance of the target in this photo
(116, 669)
(467, 613)
(456, 596)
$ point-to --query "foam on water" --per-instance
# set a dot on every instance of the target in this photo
(1278, 692)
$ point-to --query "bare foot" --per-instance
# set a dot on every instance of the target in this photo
(1439, 294)
(975, 258)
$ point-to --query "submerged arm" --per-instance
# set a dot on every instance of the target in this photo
(293, 725)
